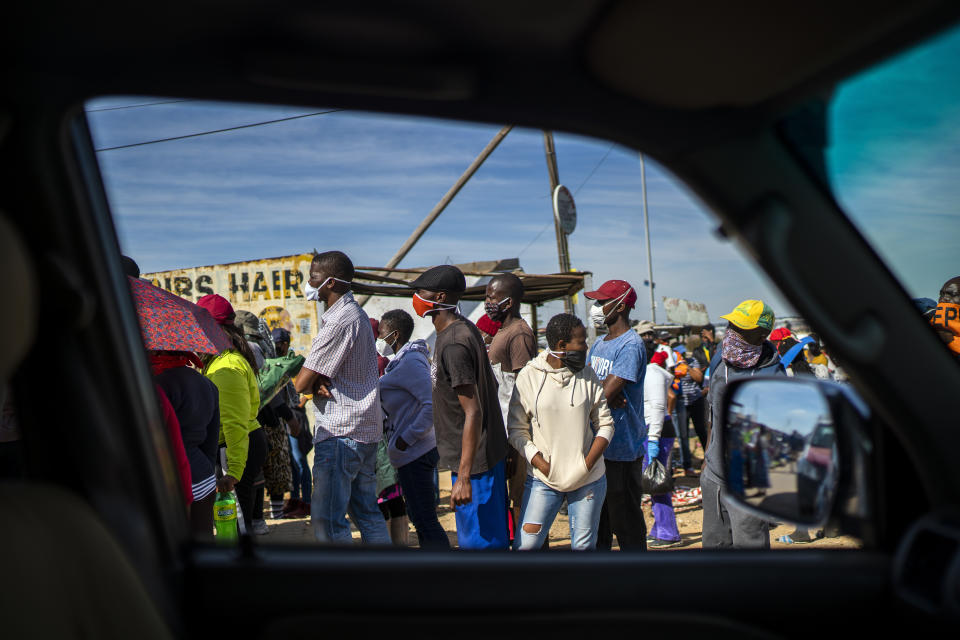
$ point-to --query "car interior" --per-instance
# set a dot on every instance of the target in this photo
(730, 99)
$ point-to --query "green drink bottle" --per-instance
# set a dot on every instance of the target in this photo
(225, 517)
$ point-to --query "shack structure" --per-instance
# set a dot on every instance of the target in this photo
(272, 288)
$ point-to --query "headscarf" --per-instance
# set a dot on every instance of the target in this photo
(163, 360)
(738, 352)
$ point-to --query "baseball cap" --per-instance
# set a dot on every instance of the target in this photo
(218, 306)
(488, 326)
(280, 335)
(247, 322)
(612, 289)
(645, 326)
(446, 278)
(751, 314)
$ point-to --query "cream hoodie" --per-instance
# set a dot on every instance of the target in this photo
(551, 411)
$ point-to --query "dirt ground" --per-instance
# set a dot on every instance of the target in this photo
(689, 522)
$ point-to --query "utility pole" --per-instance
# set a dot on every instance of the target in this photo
(563, 251)
(444, 201)
(646, 229)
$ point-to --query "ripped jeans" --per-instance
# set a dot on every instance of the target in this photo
(540, 507)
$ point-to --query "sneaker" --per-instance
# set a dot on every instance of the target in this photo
(656, 543)
(260, 528)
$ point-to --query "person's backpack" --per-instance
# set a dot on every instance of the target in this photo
(275, 374)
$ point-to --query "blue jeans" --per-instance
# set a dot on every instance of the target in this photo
(416, 482)
(540, 507)
(345, 481)
(302, 485)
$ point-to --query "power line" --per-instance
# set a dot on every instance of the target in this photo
(585, 180)
(207, 133)
(597, 166)
(134, 106)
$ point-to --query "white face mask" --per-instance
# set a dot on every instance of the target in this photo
(385, 348)
(598, 317)
(311, 293)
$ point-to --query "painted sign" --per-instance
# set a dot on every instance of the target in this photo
(271, 288)
(684, 312)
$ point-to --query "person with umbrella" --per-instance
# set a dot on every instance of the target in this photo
(234, 372)
(173, 329)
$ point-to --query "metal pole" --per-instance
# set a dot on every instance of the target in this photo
(444, 201)
(554, 173)
(646, 229)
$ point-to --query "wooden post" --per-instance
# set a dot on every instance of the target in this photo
(533, 321)
(444, 201)
(562, 249)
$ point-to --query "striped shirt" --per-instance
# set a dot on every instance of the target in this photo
(344, 351)
(692, 391)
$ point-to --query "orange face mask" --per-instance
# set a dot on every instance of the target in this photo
(947, 318)
(423, 307)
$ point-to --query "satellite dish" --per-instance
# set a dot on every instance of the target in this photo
(564, 210)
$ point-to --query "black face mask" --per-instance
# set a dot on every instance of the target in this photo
(494, 312)
(574, 360)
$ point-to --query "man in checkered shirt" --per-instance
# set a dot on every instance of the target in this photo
(341, 373)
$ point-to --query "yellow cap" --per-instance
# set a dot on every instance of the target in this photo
(751, 314)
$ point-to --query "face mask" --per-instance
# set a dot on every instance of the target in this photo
(738, 351)
(573, 360)
(423, 307)
(385, 348)
(494, 312)
(314, 293)
(598, 317)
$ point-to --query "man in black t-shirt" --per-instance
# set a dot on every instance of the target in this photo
(471, 439)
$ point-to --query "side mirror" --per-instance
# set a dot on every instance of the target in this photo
(791, 446)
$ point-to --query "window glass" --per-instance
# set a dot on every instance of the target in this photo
(232, 199)
(894, 161)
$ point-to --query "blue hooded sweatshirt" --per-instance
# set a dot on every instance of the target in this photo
(406, 394)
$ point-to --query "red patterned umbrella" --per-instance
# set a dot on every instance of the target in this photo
(170, 323)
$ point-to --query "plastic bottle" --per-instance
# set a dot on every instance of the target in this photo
(225, 517)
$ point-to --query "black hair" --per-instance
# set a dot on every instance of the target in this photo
(400, 321)
(561, 327)
(130, 266)
(240, 344)
(799, 364)
(707, 327)
(334, 263)
(514, 287)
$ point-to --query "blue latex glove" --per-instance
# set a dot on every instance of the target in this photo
(653, 449)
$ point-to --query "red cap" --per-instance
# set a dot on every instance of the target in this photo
(488, 326)
(612, 289)
(658, 358)
(780, 334)
(219, 307)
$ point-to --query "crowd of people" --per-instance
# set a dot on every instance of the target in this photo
(525, 433)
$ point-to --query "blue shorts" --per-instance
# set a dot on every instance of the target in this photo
(482, 524)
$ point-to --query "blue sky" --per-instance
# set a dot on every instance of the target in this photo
(894, 161)
(362, 182)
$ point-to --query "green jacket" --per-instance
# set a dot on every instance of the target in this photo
(239, 405)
